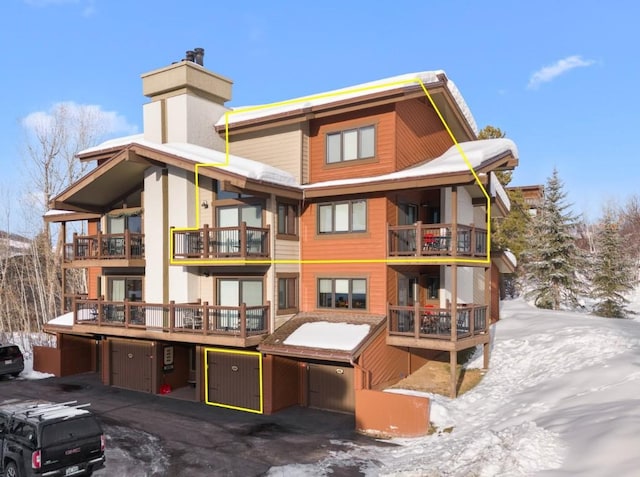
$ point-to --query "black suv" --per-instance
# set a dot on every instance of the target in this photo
(11, 360)
(49, 439)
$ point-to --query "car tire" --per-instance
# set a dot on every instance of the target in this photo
(12, 470)
(15, 375)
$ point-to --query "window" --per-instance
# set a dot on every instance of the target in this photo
(287, 294)
(351, 144)
(335, 217)
(287, 219)
(342, 293)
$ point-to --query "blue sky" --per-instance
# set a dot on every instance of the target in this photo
(560, 78)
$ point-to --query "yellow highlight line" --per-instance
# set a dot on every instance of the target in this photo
(487, 260)
(206, 379)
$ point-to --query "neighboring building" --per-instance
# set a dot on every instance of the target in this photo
(12, 245)
(327, 260)
(533, 196)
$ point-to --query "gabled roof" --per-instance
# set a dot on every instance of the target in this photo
(483, 156)
(321, 340)
(306, 105)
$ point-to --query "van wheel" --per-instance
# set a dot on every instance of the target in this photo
(12, 470)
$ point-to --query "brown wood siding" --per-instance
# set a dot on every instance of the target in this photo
(420, 357)
(234, 380)
(363, 245)
(384, 365)
(131, 365)
(281, 383)
(375, 273)
(495, 293)
(331, 387)
(383, 117)
(420, 134)
(77, 355)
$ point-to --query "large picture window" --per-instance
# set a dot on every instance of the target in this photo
(336, 217)
(342, 293)
(351, 144)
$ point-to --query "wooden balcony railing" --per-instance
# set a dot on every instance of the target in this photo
(202, 319)
(221, 242)
(424, 240)
(126, 245)
(425, 322)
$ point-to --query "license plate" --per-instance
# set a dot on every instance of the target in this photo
(8, 361)
(74, 469)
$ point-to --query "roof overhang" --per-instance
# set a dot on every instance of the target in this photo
(274, 343)
(438, 92)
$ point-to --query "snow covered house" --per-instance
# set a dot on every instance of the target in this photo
(342, 245)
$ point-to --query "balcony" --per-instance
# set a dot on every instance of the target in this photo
(436, 240)
(187, 322)
(124, 249)
(219, 243)
(431, 328)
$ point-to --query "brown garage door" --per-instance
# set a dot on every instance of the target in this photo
(331, 387)
(234, 379)
(131, 364)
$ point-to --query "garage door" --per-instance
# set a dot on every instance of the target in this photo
(234, 379)
(131, 364)
(331, 387)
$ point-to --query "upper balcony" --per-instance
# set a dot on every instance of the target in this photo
(114, 250)
(430, 327)
(437, 241)
(221, 243)
(241, 326)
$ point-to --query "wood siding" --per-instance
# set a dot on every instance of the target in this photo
(279, 147)
(281, 383)
(420, 134)
(132, 365)
(234, 380)
(383, 117)
(384, 365)
(287, 249)
(331, 387)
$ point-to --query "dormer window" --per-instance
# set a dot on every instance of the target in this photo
(351, 144)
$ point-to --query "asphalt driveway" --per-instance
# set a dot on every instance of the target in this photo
(149, 435)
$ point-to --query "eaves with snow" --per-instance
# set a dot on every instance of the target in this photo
(243, 114)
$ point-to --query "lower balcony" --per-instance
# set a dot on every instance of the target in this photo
(437, 240)
(240, 326)
(431, 328)
(123, 249)
(219, 243)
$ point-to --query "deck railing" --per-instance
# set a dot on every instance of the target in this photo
(101, 246)
(221, 242)
(426, 322)
(423, 240)
(194, 318)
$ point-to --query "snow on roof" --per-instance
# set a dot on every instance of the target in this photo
(237, 165)
(246, 113)
(451, 161)
(328, 335)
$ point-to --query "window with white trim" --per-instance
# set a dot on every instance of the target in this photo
(351, 144)
(340, 217)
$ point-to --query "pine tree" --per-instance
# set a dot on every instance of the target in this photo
(553, 260)
(613, 269)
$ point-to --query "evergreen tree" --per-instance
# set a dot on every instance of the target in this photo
(511, 232)
(553, 260)
(613, 269)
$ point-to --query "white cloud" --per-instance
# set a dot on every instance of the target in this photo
(106, 122)
(550, 72)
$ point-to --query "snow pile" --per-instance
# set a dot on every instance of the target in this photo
(328, 335)
(561, 397)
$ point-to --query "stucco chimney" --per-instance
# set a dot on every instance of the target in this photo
(186, 101)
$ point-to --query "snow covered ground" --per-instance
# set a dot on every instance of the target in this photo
(562, 398)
